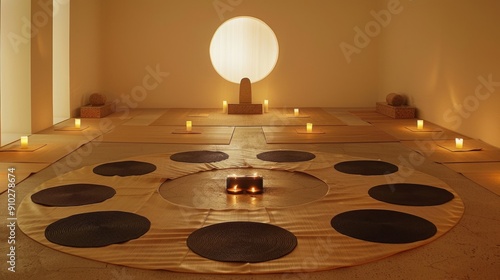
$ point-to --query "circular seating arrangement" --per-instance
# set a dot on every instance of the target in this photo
(182, 219)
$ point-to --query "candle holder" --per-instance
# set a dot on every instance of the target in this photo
(266, 106)
(459, 143)
(296, 112)
(244, 184)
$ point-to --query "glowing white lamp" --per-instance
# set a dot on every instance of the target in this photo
(266, 106)
(459, 143)
(24, 142)
(296, 112)
(189, 125)
(244, 47)
(309, 127)
(78, 123)
(420, 124)
(224, 106)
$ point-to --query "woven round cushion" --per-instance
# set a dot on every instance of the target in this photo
(366, 167)
(383, 226)
(97, 229)
(97, 99)
(246, 242)
(73, 195)
(410, 194)
(199, 157)
(124, 168)
(286, 156)
(395, 99)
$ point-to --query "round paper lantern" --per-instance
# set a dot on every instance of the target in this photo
(244, 47)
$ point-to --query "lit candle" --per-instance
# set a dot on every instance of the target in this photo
(224, 106)
(235, 189)
(266, 106)
(189, 125)
(24, 142)
(254, 190)
(420, 124)
(78, 123)
(296, 112)
(459, 143)
(309, 127)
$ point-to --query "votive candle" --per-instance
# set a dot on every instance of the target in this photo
(459, 143)
(189, 125)
(24, 142)
(78, 123)
(420, 124)
(234, 189)
(253, 190)
(266, 106)
(224, 106)
(296, 112)
(309, 127)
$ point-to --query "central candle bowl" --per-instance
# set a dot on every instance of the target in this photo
(244, 184)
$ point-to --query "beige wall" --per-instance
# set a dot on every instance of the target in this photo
(154, 53)
(41, 66)
(174, 36)
(60, 51)
(15, 64)
(85, 52)
(439, 53)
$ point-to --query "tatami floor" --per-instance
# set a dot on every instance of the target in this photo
(471, 250)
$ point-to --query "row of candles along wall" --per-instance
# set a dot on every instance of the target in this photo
(459, 142)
